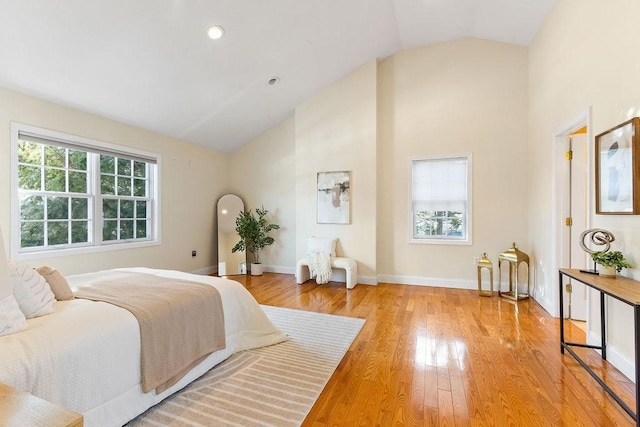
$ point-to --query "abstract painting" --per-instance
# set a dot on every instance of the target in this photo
(334, 197)
(618, 169)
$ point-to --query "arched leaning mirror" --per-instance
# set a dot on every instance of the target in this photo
(229, 206)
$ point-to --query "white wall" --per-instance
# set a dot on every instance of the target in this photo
(262, 173)
(192, 179)
(466, 96)
(585, 56)
(336, 131)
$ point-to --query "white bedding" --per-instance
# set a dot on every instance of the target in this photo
(86, 355)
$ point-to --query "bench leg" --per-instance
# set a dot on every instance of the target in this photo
(302, 274)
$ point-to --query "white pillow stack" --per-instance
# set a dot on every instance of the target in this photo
(31, 290)
(12, 319)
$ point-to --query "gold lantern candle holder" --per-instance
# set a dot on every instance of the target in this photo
(513, 257)
(485, 264)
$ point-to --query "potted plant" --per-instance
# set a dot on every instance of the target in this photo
(611, 262)
(253, 231)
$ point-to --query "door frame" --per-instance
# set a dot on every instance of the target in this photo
(559, 189)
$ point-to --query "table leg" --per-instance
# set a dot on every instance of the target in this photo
(603, 327)
(636, 318)
(561, 297)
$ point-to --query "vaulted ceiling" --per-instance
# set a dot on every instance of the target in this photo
(150, 63)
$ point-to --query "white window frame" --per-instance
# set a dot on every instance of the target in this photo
(93, 182)
(468, 239)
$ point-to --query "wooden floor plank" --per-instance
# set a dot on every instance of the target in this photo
(446, 357)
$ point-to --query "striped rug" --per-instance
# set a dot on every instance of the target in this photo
(269, 386)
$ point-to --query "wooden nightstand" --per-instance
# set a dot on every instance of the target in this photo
(20, 409)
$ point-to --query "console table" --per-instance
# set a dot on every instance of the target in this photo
(622, 289)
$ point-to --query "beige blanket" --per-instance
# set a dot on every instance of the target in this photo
(180, 322)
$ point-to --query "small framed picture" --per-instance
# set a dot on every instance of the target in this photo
(617, 170)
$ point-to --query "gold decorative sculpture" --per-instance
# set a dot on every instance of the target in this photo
(514, 257)
(598, 237)
(485, 264)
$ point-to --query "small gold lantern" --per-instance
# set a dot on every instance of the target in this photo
(485, 263)
(514, 257)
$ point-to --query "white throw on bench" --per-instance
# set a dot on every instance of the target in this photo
(349, 265)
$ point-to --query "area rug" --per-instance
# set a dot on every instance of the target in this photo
(269, 386)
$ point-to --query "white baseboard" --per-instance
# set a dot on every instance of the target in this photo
(206, 271)
(367, 280)
(428, 281)
(615, 357)
(279, 269)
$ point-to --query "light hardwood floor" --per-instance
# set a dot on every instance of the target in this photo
(446, 357)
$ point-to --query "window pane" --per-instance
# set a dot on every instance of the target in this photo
(107, 164)
(124, 186)
(54, 156)
(58, 233)
(126, 208)
(141, 229)
(110, 208)
(141, 209)
(139, 187)
(63, 188)
(107, 184)
(54, 180)
(31, 234)
(79, 208)
(79, 232)
(29, 152)
(440, 198)
(126, 229)
(439, 224)
(124, 167)
(139, 169)
(110, 230)
(57, 208)
(77, 160)
(32, 208)
(77, 182)
(452, 227)
(29, 177)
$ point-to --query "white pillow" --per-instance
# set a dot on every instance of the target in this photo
(322, 245)
(31, 290)
(12, 320)
(5, 286)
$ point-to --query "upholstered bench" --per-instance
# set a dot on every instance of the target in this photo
(349, 265)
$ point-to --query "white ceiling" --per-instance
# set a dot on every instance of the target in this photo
(149, 63)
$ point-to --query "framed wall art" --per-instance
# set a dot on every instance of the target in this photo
(334, 197)
(618, 170)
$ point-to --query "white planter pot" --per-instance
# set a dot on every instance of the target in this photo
(256, 269)
(607, 271)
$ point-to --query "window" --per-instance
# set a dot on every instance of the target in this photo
(73, 194)
(441, 200)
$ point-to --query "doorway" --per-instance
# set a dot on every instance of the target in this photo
(578, 208)
(572, 158)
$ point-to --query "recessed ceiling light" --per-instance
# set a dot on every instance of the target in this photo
(273, 81)
(215, 32)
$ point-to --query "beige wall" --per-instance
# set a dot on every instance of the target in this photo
(192, 179)
(467, 96)
(583, 57)
(336, 131)
(262, 173)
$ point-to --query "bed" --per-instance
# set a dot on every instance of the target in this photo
(85, 355)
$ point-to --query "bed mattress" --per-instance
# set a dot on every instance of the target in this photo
(86, 355)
